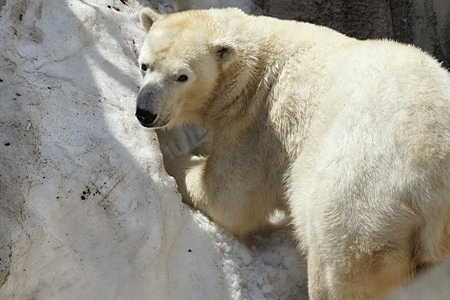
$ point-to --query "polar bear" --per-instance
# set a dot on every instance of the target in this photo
(350, 137)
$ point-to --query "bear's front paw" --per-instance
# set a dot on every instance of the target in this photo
(188, 173)
(176, 167)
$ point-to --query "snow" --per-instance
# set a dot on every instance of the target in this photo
(87, 210)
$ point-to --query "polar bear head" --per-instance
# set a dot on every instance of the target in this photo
(182, 61)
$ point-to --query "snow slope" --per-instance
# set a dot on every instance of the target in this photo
(86, 208)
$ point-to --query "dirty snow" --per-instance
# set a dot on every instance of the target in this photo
(86, 209)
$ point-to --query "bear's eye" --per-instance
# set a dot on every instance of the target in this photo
(182, 78)
(144, 67)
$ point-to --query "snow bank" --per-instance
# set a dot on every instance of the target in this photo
(86, 209)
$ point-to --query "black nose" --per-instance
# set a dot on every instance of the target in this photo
(145, 117)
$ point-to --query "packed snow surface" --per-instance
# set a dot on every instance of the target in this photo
(87, 210)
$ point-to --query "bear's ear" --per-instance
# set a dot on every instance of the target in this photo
(148, 17)
(224, 52)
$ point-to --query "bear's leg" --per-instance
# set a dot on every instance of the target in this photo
(367, 277)
(231, 208)
(355, 274)
(351, 255)
(317, 286)
(361, 238)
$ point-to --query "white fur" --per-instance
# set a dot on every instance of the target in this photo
(351, 137)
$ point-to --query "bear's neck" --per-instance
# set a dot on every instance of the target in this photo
(251, 95)
(252, 104)
(240, 96)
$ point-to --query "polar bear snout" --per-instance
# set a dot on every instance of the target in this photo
(145, 117)
(144, 108)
